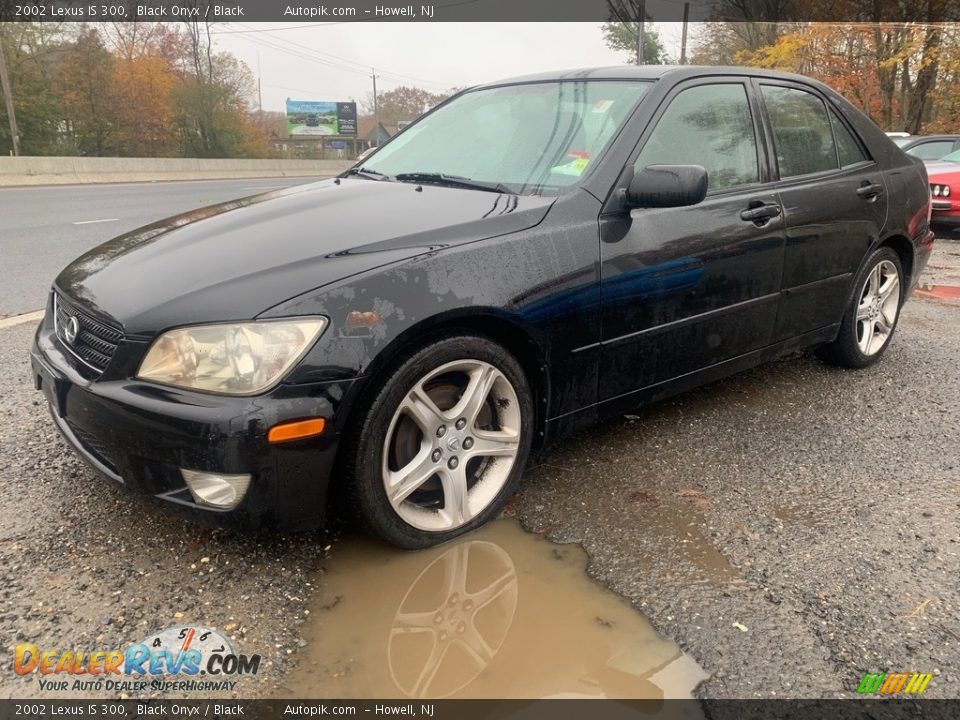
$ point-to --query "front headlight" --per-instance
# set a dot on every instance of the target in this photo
(230, 359)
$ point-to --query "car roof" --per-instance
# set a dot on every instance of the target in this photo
(649, 73)
(933, 137)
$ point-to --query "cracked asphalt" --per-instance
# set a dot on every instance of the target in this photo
(791, 527)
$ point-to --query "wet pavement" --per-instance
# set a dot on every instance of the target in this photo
(501, 613)
(787, 529)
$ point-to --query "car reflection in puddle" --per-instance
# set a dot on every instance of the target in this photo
(500, 613)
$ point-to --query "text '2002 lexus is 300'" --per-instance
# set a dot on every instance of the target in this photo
(530, 256)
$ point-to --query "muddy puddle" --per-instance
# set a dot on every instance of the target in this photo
(501, 613)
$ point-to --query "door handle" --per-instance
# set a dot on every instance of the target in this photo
(760, 214)
(869, 191)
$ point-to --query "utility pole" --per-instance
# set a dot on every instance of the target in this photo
(376, 102)
(683, 41)
(8, 98)
(259, 89)
(640, 32)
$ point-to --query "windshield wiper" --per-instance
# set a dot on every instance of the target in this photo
(450, 181)
(367, 173)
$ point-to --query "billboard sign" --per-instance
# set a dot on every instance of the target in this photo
(315, 117)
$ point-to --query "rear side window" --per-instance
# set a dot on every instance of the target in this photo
(711, 126)
(848, 148)
(801, 131)
(931, 150)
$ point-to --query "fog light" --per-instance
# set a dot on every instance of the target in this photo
(217, 490)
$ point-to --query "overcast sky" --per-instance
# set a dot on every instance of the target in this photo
(332, 61)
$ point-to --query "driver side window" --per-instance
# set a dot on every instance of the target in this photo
(711, 126)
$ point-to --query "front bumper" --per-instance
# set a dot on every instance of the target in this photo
(140, 435)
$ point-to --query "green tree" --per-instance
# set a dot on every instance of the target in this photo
(32, 51)
(213, 112)
(623, 36)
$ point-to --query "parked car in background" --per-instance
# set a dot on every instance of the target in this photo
(944, 177)
(953, 157)
(406, 333)
(928, 147)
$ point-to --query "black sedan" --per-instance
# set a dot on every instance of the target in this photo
(529, 257)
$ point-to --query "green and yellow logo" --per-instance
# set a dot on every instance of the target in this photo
(892, 683)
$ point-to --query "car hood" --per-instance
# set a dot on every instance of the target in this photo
(234, 260)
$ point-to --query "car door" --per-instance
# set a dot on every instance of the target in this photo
(834, 200)
(689, 287)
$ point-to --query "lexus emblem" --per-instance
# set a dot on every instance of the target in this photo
(72, 329)
(453, 444)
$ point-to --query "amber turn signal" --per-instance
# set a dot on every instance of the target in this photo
(285, 432)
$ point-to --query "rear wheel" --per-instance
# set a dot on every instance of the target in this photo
(872, 313)
(444, 442)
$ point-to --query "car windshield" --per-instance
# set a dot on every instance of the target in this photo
(525, 139)
(952, 157)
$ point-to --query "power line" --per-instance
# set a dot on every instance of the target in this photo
(335, 61)
(279, 29)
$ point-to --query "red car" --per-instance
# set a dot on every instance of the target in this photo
(944, 178)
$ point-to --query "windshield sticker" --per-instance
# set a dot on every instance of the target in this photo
(579, 159)
(601, 106)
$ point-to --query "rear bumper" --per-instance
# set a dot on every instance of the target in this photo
(945, 219)
(141, 435)
(922, 249)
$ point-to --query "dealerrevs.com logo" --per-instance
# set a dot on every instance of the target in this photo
(174, 659)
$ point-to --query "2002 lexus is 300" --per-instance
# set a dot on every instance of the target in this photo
(530, 256)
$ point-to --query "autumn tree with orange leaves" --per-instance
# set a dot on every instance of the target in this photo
(128, 89)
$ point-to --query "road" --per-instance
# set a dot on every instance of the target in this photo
(44, 228)
(791, 528)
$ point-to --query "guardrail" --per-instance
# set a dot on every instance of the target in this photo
(77, 170)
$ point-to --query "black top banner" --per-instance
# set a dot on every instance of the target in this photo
(340, 11)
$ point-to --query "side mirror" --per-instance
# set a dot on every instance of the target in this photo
(663, 186)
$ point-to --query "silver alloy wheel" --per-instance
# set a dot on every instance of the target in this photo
(451, 445)
(878, 308)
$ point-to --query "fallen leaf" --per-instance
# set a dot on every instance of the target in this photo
(642, 496)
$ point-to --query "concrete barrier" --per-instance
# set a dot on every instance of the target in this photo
(74, 170)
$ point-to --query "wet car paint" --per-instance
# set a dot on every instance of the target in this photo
(946, 211)
(605, 308)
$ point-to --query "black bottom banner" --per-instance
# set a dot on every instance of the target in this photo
(485, 709)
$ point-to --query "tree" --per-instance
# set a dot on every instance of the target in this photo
(403, 103)
(85, 82)
(623, 36)
(32, 51)
(214, 113)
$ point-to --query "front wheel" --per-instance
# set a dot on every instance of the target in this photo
(871, 315)
(443, 443)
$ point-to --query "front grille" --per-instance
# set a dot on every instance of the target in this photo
(95, 341)
(97, 448)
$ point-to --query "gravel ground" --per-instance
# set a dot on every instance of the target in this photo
(815, 508)
(84, 564)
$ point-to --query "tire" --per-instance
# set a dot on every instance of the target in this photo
(869, 312)
(411, 457)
